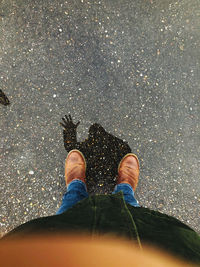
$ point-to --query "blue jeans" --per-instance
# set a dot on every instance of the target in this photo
(76, 191)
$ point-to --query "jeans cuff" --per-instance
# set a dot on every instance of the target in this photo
(78, 183)
(122, 185)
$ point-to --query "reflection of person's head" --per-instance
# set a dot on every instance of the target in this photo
(81, 250)
(96, 129)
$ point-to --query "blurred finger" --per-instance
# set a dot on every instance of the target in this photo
(62, 125)
(67, 118)
(64, 120)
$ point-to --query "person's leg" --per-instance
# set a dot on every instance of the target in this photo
(127, 179)
(75, 174)
(76, 191)
(128, 193)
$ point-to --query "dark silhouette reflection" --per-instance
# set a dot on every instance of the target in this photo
(102, 152)
(3, 99)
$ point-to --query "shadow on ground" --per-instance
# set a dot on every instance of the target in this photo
(103, 152)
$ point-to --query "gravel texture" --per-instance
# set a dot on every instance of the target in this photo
(131, 66)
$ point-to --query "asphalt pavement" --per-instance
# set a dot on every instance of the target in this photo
(131, 66)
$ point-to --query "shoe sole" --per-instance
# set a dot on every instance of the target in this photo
(129, 154)
(76, 150)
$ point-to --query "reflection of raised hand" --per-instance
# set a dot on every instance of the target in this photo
(69, 132)
(68, 123)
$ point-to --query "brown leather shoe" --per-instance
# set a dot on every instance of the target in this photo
(75, 166)
(128, 170)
